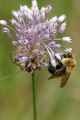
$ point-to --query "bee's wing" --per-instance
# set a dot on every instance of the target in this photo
(64, 79)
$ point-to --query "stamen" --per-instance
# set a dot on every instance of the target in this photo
(62, 18)
(3, 22)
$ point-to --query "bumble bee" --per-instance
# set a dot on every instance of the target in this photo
(61, 67)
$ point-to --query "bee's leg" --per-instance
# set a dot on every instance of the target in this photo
(64, 79)
(51, 77)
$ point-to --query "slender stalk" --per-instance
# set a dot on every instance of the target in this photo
(34, 96)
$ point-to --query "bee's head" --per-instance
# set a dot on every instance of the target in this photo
(68, 55)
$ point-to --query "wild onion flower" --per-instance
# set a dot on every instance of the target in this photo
(30, 31)
(36, 40)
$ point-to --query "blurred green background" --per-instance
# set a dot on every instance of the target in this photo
(53, 103)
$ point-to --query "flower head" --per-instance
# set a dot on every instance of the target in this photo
(31, 31)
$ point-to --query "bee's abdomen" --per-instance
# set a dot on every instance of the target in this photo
(58, 70)
(51, 69)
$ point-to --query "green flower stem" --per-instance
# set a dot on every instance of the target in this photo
(34, 96)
